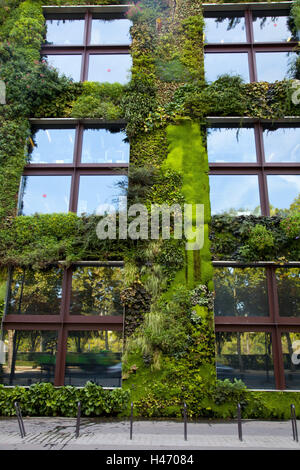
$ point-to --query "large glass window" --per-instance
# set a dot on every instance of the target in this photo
(94, 356)
(241, 292)
(291, 359)
(103, 146)
(216, 64)
(284, 191)
(277, 27)
(225, 29)
(245, 356)
(288, 288)
(272, 66)
(65, 31)
(30, 357)
(53, 146)
(111, 31)
(66, 64)
(109, 68)
(99, 193)
(282, 144)
(231, 145)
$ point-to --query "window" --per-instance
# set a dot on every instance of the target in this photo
(290, 349)
(272, 66)
(216, 64)
(53, 146)
(110, 31)
(273, 27)
(103, 146)
(66, 64)
(65, 31)
(225, 28)
(225, 145)
(284, 191)
(288, 289)
(282, 144)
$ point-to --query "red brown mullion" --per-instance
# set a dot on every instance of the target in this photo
(61, 357)
(278, 359)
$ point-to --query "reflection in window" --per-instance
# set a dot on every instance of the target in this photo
(65, 32)
(30, 357)
(234, 194)
(291, 353)
(224, 29)
(53, 146)
(282, 145)
(111, 32)
(33, 292)
(272, 28)
(109, 68)
(44, 194)
(288, 288)
(99, 193)
(241, 292)
(247, 357)
(96, 291)
(216, 64)
(94, 356)
(284, 192)
(231, 145)
(103, 146)
(66, 64)
(272, 66)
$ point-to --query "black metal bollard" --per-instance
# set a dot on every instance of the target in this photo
(294, 423)
(131, 421)
(239, 418)
(20, 420)
(78, 420)
(185, 421)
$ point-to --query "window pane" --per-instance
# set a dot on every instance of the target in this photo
(288, 288)
(53, 146)
(103, 146)
(30, 357)
(44, 194)
(223, 29)
(284, 190)
(272, 28)
(111, 31)
(69, 65)
(96, 291)
(65, 32)
(234, 194)
(282, 145)
(109, 68)
(98, 193)
(94, 356)
(35, 292)
(291, 355)
(247, 357)
(241, 292)
(231, 145)
(272, 66)
(216, 64)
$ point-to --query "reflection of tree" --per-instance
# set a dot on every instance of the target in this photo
(288, 287)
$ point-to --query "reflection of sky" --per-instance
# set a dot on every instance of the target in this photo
(231, 145)
(282, 145)
(69, 65)
(111, 31)
(273, 66)
(283, 189)
(230, 63)
(239, 192)
(216, 31)
(270, 30)
(98, 192)
(53, 146)
(110, 68)
(46, 194)
(65, 32)
(102, 146)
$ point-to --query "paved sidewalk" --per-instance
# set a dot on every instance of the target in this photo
(99, 434)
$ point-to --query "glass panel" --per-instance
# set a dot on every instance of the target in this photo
(241, 292)
(98, 193)
(53, 146)
(288, 288)
(96, 291)
(110, 68)
(94, 356)
(247, 357)
(272, 66)
(234, 194)
(44, 194)
(216, 64)
(231, 145)
(111, 31)
(65, 32)
(284, 192)
(282, 145)
(103, 146)
(35, 292)
(291, 359)
(272, 28)
(224, 29)
(68, 65)
(30, 357)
